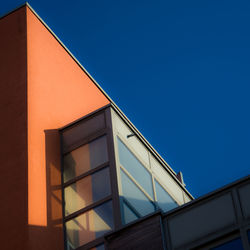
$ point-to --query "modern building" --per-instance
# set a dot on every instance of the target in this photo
(77, 174)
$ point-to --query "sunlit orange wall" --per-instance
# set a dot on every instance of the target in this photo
(59, 92)
(13, 131)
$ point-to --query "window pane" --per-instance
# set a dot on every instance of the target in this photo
(86, 191)
(231, 245)
(135, 196)
(90, 225)
(135, 168)
(69, 246)
(85, 158)
(164, 200)
(83, 129)
(129, 215)
(166, 178)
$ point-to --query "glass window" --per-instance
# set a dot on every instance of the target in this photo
(164, 200)
(135, 196)
(166, 178)
(128, 214)
(81, 130)
(135, 168)
(90, 225)
(85, 158)
(87, 190)
(235, 244)
(248, 234)
(69, 246)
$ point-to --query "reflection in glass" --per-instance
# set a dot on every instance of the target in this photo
(135, 168)
(86, 191)
(164, 200)
(235, 244)
(90, 225)
(69, 246)
(85, 158)
(128, 214)
(135, 196)
(81, 130)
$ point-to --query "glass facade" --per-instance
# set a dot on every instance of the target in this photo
(88, 210)
(135, 168)
(97, 161)
(86, 191)
(85, 158)
(129, 214)
(164, 200)
(137, 198)
(89, 225)
(82, 130)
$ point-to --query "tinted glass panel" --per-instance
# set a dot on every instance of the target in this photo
(231, 245)
(135, 196)
(90, 225)
(82, 130)
(164, 200)
(69, 246)
(85, 158)
(248, 233)
(135, 168)
(86, 191)
(129, 215)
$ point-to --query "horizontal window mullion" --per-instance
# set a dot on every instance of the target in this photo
(86, 140)
(136, 183)
(92, 171)
(89, 207)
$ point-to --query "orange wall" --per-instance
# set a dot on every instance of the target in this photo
(41, 89)
(59, 92)
(13, 131)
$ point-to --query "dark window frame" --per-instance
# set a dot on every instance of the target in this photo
(111, 164)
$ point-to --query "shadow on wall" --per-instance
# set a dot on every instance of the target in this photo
(50, 237)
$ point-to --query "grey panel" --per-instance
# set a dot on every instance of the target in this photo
(244, 193)
(201, 220)
(82, 130)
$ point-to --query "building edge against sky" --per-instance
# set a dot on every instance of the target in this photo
(115, 107)
(44, 88)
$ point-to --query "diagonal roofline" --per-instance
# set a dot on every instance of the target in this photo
(117, 109)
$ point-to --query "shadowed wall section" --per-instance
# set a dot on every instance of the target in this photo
(59, 92)
(50, 236)
(13, 132)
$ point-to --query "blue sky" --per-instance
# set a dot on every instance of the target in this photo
(178, 69)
